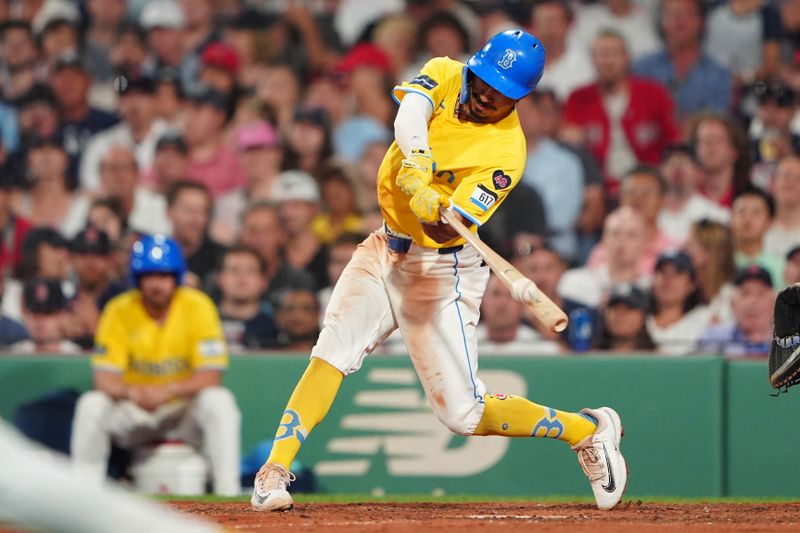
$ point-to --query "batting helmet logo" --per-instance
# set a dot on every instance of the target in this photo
(508, 59)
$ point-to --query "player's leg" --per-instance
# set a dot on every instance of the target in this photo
(358, 319)
(90, 444)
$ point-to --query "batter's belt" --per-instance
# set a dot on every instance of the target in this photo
(400, 244)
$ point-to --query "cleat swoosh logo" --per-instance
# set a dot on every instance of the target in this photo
(612, 485)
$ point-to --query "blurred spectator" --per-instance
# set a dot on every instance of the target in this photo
(309, 143)
(396, 36)
(44, 311)
(297, 196)
(297, 316)
(522, 218)
(262, 230)
(339, 254)
(545, 267)
(129, 52)
(339, 205)
(164, 23)
(643, 189)
(38, 114)
(623, 326)
(631, 20)
(59, 34)
(353, 136)
(189, 209)
(219, 67)
(79, 121)
(751, 216)
(20, 58)
(139, 130)
(49, 201)
(45, 254)
(241, 283)
(790, 34)
(743, 36)
(366, 72)
(695, 81)
(625, 244)
(157, 370)
(784, 233)
(442, 34)
(753, 301)
(169, 164)
(683, 204)
(501, 330)
(105, 17)
(280, 88)
(721, 149)
(710, 246)
(623, 120)
(211, 161)
(556, 174)
(11, 331)
(145, 210)
(261, 155)
(567, 67)
(91, 258)
(245, 34)
(170, 98)
(791, 274)
(108, 215)
(677, 318)
(12, 226)
(771, 136)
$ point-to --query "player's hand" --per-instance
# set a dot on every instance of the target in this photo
(416, 171)
(425, 205)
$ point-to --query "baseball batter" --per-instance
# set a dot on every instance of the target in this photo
(458, 144)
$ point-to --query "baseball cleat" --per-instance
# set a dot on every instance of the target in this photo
(601, 459)
(269, 492)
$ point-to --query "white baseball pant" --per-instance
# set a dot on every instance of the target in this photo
(38, 489)
(210, 421)
(434, 299)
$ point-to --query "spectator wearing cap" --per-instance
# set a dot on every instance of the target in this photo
(502, 330)
(751, 216)
(791, 274)
(309, 142)
(297, 196)
(263, 230)
(169, 163)
(164, 23)
(683, 204)
(623, 327)
(56, 27)
(367, 72)
(49, 201)
(190, 207)
(677, 318)
(71, 82)
(339, 212)
(784, 233)
(241, 283)
(139, 129)
(91, 255)
(19, 58)
(771, 135)
(211, 161)
(219, 69)
(752, 304)
(261, 156)
(695, 81)
(145, 210)
(44, 310)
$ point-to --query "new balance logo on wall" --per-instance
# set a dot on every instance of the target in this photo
(401, 430)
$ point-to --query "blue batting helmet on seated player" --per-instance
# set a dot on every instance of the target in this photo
(156, 253)
(511, 62)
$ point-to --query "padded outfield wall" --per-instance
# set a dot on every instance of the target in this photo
(694, 427)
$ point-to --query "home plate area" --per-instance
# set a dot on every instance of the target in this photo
(629, 516)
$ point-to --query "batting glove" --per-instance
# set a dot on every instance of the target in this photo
(425, 205)
(416, 171)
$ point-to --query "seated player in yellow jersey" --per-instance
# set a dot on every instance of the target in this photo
(158, 363)
(458, 145)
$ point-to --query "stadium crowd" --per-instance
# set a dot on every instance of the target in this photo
(660, 204)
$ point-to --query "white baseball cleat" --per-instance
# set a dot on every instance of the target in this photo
(269, 492)
(601, 459)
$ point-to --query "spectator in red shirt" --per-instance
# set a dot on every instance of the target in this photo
(621, 119)
(13, 228)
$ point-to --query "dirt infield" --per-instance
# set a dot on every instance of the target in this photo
(545, 517)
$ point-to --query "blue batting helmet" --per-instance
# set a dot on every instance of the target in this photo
(511, 62)
(156, 253)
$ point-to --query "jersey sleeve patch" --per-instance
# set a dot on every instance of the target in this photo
(483, 197)
(212, 348)
(424, 81)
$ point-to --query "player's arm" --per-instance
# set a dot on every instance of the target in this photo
(198, 381)
(110, 359)
(411, 135)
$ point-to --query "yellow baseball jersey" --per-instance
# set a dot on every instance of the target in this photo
(476, 165)
(147, 352)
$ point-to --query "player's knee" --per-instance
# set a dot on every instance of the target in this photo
(217, 401)
(461, 421)
(94, 404)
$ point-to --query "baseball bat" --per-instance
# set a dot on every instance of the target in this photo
(522, 289)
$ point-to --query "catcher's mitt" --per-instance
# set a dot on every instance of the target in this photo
(784, 351)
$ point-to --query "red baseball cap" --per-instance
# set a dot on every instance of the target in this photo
(364, 55)
(222, 56)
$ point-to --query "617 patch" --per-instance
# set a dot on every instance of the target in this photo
(483, 197)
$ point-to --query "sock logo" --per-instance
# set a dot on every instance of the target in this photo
(290, 427)
(548, 423)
